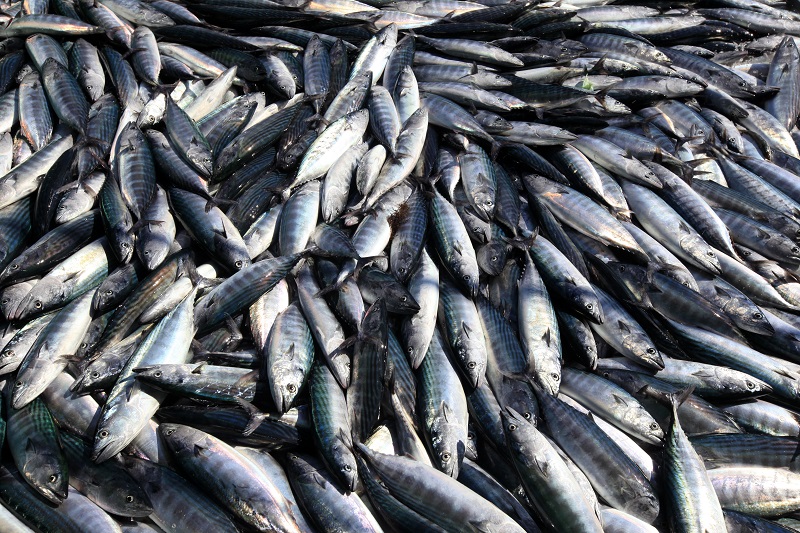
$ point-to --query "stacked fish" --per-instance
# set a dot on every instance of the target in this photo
(396, 265)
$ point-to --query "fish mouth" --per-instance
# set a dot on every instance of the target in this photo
(56, 497)
(107, 450)
(53, 496)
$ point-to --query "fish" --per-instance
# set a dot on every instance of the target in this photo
(452, 262)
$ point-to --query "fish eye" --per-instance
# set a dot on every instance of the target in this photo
(37, 304)
(758, 316)
(103, 434)
(291, 387)
(403, 298)
(527, 415)
(710, 253)
(402, 270)
(512, 427)
(129, 498)
(466, 277)
(651, 351)
(555, 377)
(125, 245)
(169, 432)
(95, 374)
(19, 383)
(109, 292)
(653, 426)
(795, 249)
(238, 264)
(446, 456)
(589, 307)
(53, 478)
(750, 385)
(348, 468)
(14, 266)
(5, 301)
(157, 374)
(471, 365)
(622, 268)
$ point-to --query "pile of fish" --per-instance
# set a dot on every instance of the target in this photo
(399, 265)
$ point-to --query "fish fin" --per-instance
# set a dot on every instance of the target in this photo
(345, 439)
(543, 467)
(199, 368)
(256, 416)
(200, 451)
(721, 292)
(132, 389)
(619, 399)
(248, 379)
(546, 337)
(319, 480)
(623, 326)
(30, 449)
(677, 398)
(762, 234)
(447, 413)
(467, 329)
(483, 526)
(289, 353)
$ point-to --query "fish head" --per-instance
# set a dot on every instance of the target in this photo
(13, 268)
(516, 430)
(680, 275)
(129, 500)
(44, 471)
(107, 443)
(472, 360)
(346, 466)
(402, 259)
(700, 251)
(399, 300)
(652, 432)
(157, 374)
(122, 244)
(74, 203)
(588, 304)
(154, 251)
(644, 349)
(484, 203)
(45, 295)
(11, 297)
(93, 377)
(94, 85)
(448, 443)
(756, 387)
(548, 373)
(106, 294)
(492, 257)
